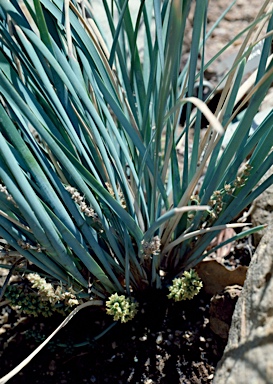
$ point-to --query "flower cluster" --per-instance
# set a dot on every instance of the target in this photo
(121, 308)
(28, 302)
(41, 298)
(151, 247)
(3, 189)
(79, 199)
(26, 245)
(185, 287)
(48, 293)
(194, 200)
(243, 176)
(112, 193)
(217, 199)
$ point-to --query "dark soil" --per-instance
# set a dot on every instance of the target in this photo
(164, 344)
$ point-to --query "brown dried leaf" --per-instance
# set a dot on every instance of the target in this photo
(224, 235)
(216, 277)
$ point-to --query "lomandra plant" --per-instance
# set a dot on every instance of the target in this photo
(93, 191)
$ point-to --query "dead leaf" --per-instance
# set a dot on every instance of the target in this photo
(216, 277)
(224, 235)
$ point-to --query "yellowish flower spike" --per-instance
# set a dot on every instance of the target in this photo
(121, 308)
(186, 286)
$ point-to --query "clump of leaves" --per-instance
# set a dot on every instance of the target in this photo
(93, 192)
(92, 189)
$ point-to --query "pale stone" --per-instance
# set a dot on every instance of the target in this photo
(248, 354)
(262, 208)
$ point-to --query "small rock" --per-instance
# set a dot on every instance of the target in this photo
(170, 336)
(52, 365)
(221, 310)
(159, 339)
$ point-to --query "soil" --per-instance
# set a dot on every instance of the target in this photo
(170, 343)
(175, 345)
(166, 342)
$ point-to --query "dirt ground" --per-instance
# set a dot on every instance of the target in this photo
(176, 346)
(237, 19)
